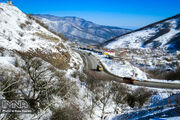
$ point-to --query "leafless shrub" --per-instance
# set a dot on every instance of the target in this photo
(9, 85)
(47, 37)
(165, 75)
(68, 113)
(173, 75)
(12, 116)
(20, 43)
(9, 39)
(28, 23)
(37, 21)
(56, 59)
(59, 34)
(30, 16)
(33, 39)
(1, 9)
(40, 85)
(139, 97)
(16, 63)
(2, 51)
(66, 88)
(119, 94)
(94, 78)
(21, 34)
(80, 75)
(120, 91)
(22, 25)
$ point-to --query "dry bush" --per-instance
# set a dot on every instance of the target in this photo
(10, 83)
(62, 36)
(41, 23)
(156, 73)
(68, 113)
(58, 60)
(33, 39)
(47, 37)
(81, 75)
(93, 79)
(76, 74)
(165, 75)
(65, 88)
(60, 46)
(12, 116)
(22, 25)
(40, 86)
(120, 92)
(37, 21)
(9, 39)
(30, 16)
(138, 97)
(2, 51)
(28, 23)
(1, 9)
(16, 63)
(174, 75)
(21, 34)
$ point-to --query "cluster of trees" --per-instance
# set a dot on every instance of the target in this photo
(36, 81)
(105, 91)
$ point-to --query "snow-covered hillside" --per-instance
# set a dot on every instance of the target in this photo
(165, 109)
(162, 34)
(80, 30)
(35, 64)
(21, 33)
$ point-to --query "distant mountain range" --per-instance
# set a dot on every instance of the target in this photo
(80, 30)
(162, 34)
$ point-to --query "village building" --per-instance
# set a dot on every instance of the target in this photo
(109, 52)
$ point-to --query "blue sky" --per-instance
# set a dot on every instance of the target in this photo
(122, 13)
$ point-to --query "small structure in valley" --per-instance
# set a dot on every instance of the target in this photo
(109, 52)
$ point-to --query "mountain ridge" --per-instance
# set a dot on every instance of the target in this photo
(80, 30)
(158, 30)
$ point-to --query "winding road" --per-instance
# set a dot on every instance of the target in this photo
(91, 63)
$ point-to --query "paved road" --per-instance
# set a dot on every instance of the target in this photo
(91, 63)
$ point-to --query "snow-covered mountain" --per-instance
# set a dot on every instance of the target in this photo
(33, 62)
(80, 30)
(162, 34)
(21, 33)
